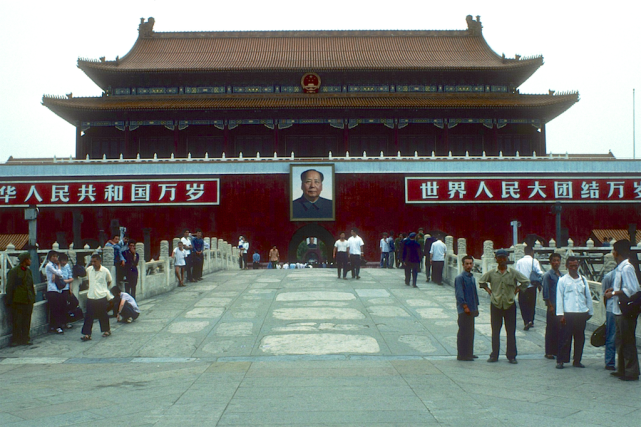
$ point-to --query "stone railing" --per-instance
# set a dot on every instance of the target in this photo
(155, 277)
(595, 262)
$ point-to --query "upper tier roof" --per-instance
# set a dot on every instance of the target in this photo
(304, 51)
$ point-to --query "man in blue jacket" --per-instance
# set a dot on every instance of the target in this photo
(467, 306)
(411, 259)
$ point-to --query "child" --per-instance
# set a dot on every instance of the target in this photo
(128, 310)
(180, 254)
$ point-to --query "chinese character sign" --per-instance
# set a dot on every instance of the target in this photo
(111, 193)
(522, 190)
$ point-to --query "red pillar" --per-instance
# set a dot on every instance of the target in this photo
(395, 138)
(275, 139)
(346, 137)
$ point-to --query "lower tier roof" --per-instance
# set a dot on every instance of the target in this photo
(74, 110)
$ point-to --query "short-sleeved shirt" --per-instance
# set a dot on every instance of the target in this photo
(99, 281)
(438, 251)
(186, 242)
(503, 286)
(626, 281)
(607, 283)
(180, 256)
(341, 245)
(550, 280)
(51, 272)
(384, 245)
(354, 244)
(129, 299)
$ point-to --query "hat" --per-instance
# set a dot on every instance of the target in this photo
(23, 256)
(412, 235)
(501, 252)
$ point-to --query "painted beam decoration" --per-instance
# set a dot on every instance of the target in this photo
(115, 192)
(515, 189)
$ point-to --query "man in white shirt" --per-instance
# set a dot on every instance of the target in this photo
(98, 296)
(180, 255)
(340, 255)
(527, 299)
(625, 282)
(186, 240)
(437, 259)
(355, 249)
(574, 307)
(385, 250)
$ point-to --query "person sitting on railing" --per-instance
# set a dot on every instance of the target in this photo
(125, 305)
(20, 298)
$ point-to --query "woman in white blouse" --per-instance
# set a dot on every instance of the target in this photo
(574, 308)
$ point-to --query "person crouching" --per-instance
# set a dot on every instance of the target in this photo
(126, 306)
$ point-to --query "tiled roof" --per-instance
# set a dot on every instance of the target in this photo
(311, 51)
(18, 240)
(311, 101)
(615, 234)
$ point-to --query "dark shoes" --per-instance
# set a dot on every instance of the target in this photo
(414, 286)
(465, 359)
(559, 366)
(492, 359)
(616, 374)
(528, 326)
(513, 361)
(578, 365)
(550, 356)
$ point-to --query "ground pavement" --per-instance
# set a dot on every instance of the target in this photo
(301, 348)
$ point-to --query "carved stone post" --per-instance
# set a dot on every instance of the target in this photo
(449, 244)
(462, 251)
(570, 243)
(519, 251)
(590, 244)
(207, 255)
(142, 269)
(164, 250)
(488, 255)
(552, 243)
(108, 256)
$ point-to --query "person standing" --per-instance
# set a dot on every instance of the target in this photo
(625, 282)
(574, 308)
(467, 306)
(21, 296)
(274, 256)
(392, 250)
(55, 298)
(198, 247)
(527, 300)
(179, 255)
(610, 322)
(385, 250)
(420, 238)
(411, 259)
(340, 255)
(132, 258)
(98, 296)
(186, 240)
(243, 248)
(437, 259)
(399, 249)
(355, 250)
(119, 260)
(552, 327)
(429, 241)
(504, 283)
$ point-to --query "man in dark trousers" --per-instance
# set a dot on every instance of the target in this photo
(504, 283)
(411, 259)
(467, 306)
(552, 327)
(625, 282)
(20, 298)
(131, 268)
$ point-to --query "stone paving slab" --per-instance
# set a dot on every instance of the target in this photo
(301, 348)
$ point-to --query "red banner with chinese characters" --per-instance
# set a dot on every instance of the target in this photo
(522, 190)
(116, 192)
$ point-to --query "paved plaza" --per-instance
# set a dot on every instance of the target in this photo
(301, 348)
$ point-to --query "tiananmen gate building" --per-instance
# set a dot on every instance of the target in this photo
(215, 130)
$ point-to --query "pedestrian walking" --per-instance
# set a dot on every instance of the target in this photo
(385, 250)
(411, 259)
(529, 267)
(437, 261)
(355, 250)
(340, 255)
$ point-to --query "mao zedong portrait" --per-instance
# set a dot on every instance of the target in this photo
(311, 204)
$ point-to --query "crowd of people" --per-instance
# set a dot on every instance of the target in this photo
(569, 302)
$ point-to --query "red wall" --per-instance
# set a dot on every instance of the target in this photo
(258, 207)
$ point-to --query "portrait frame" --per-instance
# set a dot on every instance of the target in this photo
(299, 208)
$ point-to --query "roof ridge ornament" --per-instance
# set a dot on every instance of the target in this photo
(146, 29)
(474, 27)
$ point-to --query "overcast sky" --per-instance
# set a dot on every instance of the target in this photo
(591, 47)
